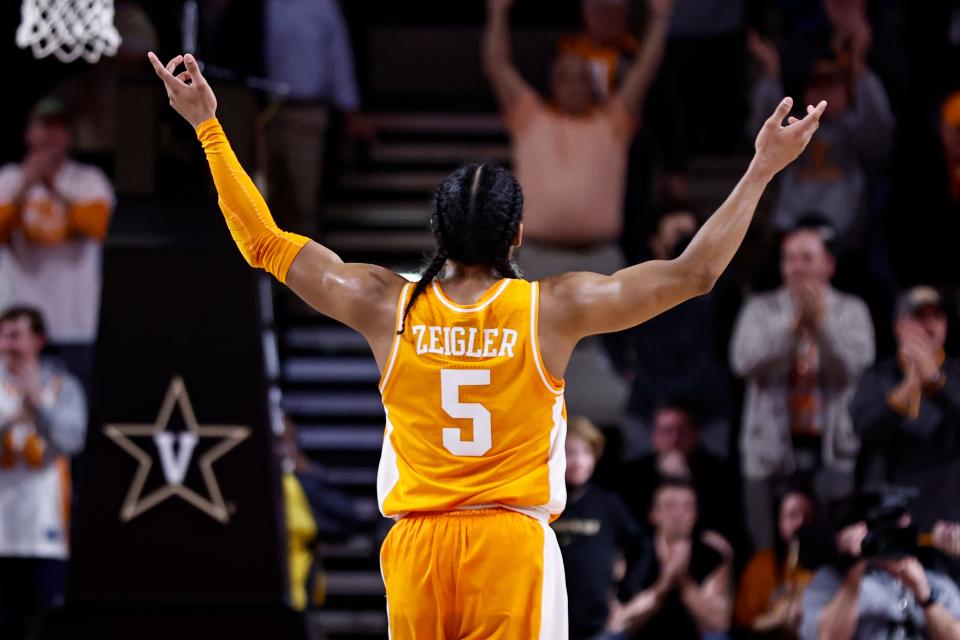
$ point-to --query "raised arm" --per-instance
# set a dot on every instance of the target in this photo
(575, 305)
(636, 83)
(361, 296)
(508, 84)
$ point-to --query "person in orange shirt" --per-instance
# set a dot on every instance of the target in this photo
(770, 595)
(570, 152)
(54, 214)
(472, 360)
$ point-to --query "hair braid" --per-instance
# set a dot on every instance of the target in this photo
(432, 270)
(437, 262)
(475, 219)
(505, 265)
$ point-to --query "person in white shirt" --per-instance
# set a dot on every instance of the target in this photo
(54, 214)
(43, 420)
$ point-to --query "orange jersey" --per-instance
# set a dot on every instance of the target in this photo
(473, 417)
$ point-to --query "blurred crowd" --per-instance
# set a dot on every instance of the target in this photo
(779, 458)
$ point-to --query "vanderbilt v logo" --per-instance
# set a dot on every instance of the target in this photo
(175, 465)
(175, 452)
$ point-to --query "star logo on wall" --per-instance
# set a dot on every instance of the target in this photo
(175, 455)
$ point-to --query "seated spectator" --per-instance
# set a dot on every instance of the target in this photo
(594, 531)
(674, 354)
(682, 585)
(314, 512)
(854, 137)
(880, 597)
(771, 589)
(43, 419)
(677, 453)
(570, 155)
(907, 411)
(54, 214)
(801, 349)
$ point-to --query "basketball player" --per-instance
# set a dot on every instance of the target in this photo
(473, 358)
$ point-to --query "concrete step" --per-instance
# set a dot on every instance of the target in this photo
(356, 477)
(329, 338)
(367, 509)
(383, 213)
(333, 403)
(340, 437)
(432, 123)
(342, 369)
(452, 153)
(354, 583)
(417, 181)
(360, 546)
(349, 623)
(412, 243)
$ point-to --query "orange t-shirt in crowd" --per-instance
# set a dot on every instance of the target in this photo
(763, 582)
(473, 417)
(572, 169)
(52, 246)
(607, 64)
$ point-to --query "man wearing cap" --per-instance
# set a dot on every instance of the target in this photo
(54, 214)
(907, 411)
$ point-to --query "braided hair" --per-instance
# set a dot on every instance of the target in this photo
(476, 215)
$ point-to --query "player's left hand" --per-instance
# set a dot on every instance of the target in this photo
(778, 145)
(188, 91)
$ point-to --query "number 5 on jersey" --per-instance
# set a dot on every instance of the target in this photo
(450, 382)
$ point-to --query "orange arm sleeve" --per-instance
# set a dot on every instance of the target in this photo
(262, 244)
(90, 218)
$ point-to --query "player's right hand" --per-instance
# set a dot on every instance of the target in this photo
(188, 91)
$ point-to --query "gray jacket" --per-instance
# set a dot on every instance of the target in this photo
(762, 352)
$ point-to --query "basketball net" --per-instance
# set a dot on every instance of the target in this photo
(68, 29)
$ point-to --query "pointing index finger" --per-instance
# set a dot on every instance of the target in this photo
(165, 75)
